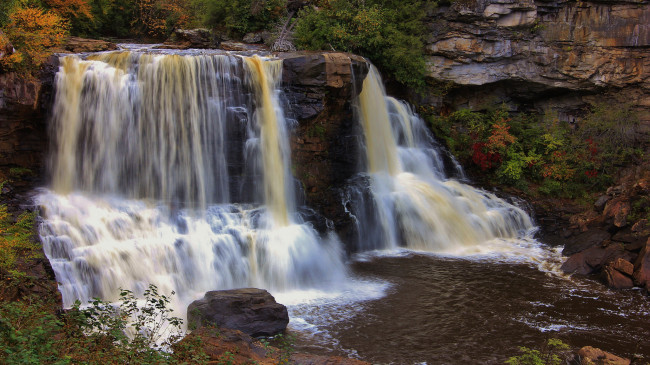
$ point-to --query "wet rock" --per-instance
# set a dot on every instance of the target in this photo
(585, 240)
(623, 266)
(256, 37)
(641, 226)
(195, 38)
(599, 205)
(592, 259)
(84, 45)
(642, 267)
(593, 356)
(618, 210)
(241, 47)
(617, 274)
(616, 280)
(252, 311)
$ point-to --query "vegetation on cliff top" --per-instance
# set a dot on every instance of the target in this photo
(388, 32)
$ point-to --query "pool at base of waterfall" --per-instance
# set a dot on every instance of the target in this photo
(423, 308)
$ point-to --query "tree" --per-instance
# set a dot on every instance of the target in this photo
(32, 31)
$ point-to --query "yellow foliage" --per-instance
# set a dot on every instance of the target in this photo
(32, 31)
(156, 15)
(69, 9)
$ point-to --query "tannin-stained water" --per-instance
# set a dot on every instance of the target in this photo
(174, 170)
(451, 310)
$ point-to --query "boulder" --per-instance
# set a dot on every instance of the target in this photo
(593, 356)
(642, 267)
(617, 274)
(256, 37)
(585, 240)
(592, 259)
(617, 209)
(195, 38)
(252, 311)
(84, 45)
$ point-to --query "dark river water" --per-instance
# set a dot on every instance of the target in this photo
(438, 310)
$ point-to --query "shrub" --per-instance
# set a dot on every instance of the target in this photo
(96, 334)
(565, 160)
(238, 17)
(390, 33)
(554, 352)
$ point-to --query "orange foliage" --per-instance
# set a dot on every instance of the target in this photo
(32, 31)
(156, 15)
(70, 9)
(500, 136)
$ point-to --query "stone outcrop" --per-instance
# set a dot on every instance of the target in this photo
(23, 106)
(612, 240)
(320, 88)
(542, 53)
(593, 356)
(252, 311)
(194, 38)
(84, 45)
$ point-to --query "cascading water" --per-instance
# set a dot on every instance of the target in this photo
(148, 183)
(405, 198)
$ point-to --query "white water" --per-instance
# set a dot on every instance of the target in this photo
(174, 170)
(142, 192)
(405, 198)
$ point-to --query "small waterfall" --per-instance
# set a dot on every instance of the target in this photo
(174, 170)
(405, 199)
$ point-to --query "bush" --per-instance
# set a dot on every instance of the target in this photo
(554, 352)
(389, 33)
(566, 160)
(238, 17)
(97, 334)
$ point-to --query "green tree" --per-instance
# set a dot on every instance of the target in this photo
(388, 32)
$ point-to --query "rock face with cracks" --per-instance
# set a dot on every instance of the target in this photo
(252, 311)
(542, 54)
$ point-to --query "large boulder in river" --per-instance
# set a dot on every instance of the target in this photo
(593, 356)
(585, 240)
(252, 311)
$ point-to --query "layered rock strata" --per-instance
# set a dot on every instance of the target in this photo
(539, 54)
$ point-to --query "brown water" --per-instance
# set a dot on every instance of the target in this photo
(450, 311)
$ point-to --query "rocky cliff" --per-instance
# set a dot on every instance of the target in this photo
(542, 54)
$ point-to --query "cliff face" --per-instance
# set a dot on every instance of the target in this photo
(543, 54)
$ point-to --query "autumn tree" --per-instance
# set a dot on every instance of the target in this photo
(32, 31)
(77, 13)
(157, 18)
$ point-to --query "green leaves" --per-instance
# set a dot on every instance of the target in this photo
(389, 33)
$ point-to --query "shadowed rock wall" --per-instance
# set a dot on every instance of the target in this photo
(542, 54)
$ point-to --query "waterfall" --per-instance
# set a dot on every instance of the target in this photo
(405, 199)
(174, 170)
